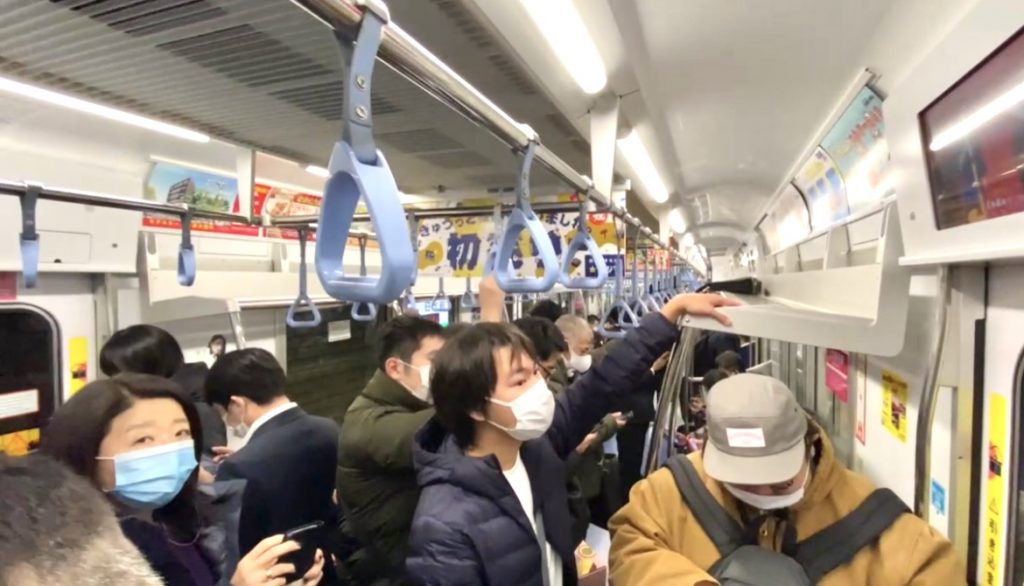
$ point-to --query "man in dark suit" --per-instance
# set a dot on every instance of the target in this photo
(288, 461)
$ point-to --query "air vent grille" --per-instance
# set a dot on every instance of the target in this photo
(246, 55)
(425, 140)
(512, 73)
(456, 159)
(144, 17)
(326, 100)
(465, 22)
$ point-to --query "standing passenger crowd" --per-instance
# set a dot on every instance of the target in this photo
(473, 456)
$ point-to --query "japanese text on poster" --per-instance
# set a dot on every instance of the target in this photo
(894, 405)
(995, 492)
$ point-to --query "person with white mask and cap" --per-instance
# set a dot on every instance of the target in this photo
(767, 502)
(491, 465)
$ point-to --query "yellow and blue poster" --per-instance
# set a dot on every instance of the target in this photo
(822, 185)
(995, 492)
(857, 145)
(894, 405)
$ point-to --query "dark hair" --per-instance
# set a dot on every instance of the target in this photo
(76, 430)
(713, 377)
(545, 336)
(593, 320)
(547, 309)
(144, 349)
(252, 373)
(455, 329)
(401, 337)
(729, 360)
(45, 504)
(217, 338)
(465, 375)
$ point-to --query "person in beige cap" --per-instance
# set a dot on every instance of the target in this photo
(771, 505)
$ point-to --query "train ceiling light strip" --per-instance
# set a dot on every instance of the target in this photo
(65, 101)
(406, 56)
(563, 29)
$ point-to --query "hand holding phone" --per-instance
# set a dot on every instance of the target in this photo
(308, 537)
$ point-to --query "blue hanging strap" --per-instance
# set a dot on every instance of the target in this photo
(583, 242)
(359, 171)
(522, 217)
(361, 310)
(302, 300)
(29, 238)
(469, 299)
(407, 301)
(626, 319)
(186, 252)
(440, 302)
(492, 253)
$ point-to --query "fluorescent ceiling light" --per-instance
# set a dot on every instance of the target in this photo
(689, 240)
(318, 171)
(191, 165)
(66, 101)
(978, 118)
(635, 153)
(677, 222)
(563, 29)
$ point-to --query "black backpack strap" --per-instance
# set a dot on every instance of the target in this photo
(721, 528)
(838, 543)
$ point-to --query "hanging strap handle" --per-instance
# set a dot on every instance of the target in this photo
(469, 299)
(359, 171)
(302, 300)
(186, 252)
(362, 310)
(440, 302)
(492, 254)
(29, 237)
(620, 310)
(583, 242)
(408, 299)
(522, 217)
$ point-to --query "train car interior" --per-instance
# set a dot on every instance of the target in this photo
(291, 175)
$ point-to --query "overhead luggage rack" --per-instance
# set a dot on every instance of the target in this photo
(842, 305)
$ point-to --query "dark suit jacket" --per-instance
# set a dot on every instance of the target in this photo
(289, 468)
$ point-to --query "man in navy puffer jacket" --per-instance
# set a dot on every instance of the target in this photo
(493, 508)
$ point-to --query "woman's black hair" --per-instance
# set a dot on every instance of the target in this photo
(144, 349)
(545, 336)
(76, 430)
(465, 375)
(217, 338)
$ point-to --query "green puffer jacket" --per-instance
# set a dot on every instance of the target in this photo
(376, 481)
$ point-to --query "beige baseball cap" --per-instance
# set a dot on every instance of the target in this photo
(756, 431)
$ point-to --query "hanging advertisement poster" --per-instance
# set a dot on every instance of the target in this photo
(78, 362)
(458, 246)
(860, 428)
(894, 405)
(837, 369)
(995, 491)
(822, 185)
(857, 145)
(169, 183)
(279, 202)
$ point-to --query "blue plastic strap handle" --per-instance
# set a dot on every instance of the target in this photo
(29, 238)
(302, 300)
(583, 241)
(522, 218)
(469, 299)
(440, 302)
(363, 311)
(186, 252)
(626, 318)
(359, 170)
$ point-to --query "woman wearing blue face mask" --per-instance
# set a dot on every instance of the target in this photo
(136, 437)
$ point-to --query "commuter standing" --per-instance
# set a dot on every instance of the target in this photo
(289, 458)
(806, 519)
(376, 481)
(493, 508)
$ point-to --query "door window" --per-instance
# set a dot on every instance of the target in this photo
(29, 376)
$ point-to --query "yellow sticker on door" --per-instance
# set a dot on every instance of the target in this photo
(78, 362)
(894, 405)
(995, 499)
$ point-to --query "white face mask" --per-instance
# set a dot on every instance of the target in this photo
(533, 410)
(237, 431)
(579, 363)
(769, 502)
(423, 391)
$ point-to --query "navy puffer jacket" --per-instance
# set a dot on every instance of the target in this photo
(469, 527)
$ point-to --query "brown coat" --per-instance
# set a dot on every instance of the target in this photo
(656, 541)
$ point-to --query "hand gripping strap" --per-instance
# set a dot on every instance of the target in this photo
(29, 238)
(522, 218)
(583, 241)
(303, 298)
(186, 252)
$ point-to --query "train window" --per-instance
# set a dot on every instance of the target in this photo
(30, 385)
(974, 137)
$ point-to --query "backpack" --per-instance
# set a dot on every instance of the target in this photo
(744, 563)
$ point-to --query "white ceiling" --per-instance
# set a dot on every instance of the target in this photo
(728, 92)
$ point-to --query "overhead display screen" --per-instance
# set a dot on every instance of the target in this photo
(974, 138)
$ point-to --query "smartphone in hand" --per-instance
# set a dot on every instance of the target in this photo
(309, 538)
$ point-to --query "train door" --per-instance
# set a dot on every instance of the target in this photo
(1000, 556)
(30, 381)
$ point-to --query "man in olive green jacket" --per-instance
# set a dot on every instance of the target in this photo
(376, 481)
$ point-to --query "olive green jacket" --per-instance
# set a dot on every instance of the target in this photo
(376, 481)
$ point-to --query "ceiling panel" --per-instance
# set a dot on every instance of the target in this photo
(264, 73)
